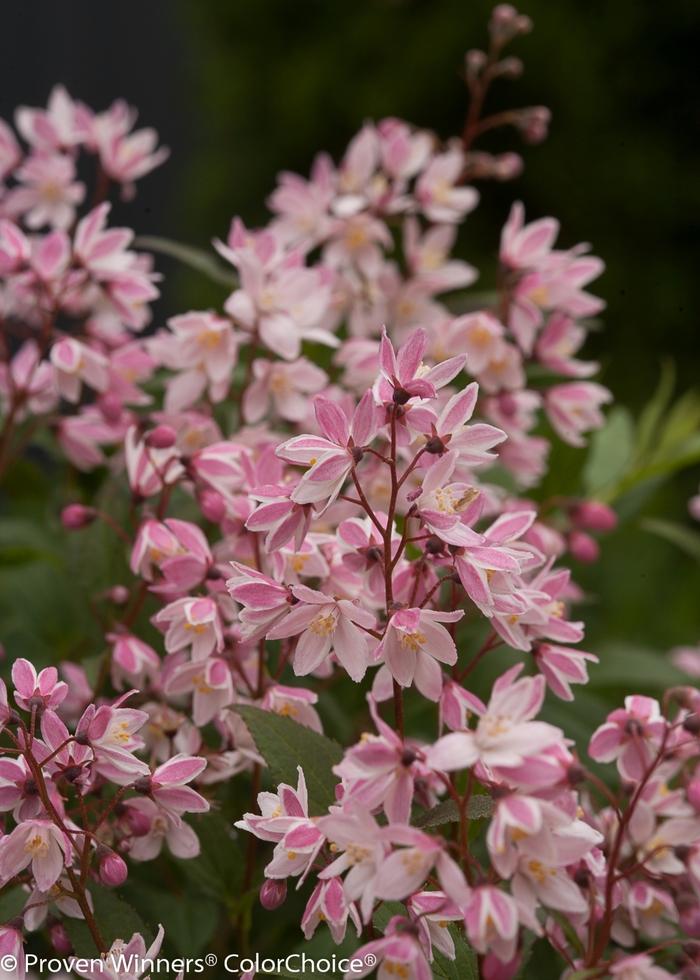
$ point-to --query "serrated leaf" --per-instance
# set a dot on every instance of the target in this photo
(685, 538)
(285, 744)
(478, 808)
(196, 258)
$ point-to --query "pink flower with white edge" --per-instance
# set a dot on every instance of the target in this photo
(631, 736)
(381, 770)
(328, 904)
(280, 812)
(280, 516)
(332, 455)
(193, 623)
(432, 911)
(428, 258)
(562, 667)
(296, 703)
(526, 246)
(491, 921)
(154, 828)
(150, 470)
(414, 646)
(210, 683)
(49, 192)
(154, 542)
(488, 563)
(283, 387)
(403, 375)
(361, 846)
(447, 509)
(264, 601)
(34, 378)
(133, 662)
(403, 871)
(472, 442)
(110, 731)
(67, 756)
(12, 951)
(167, 785)
(638, 967)
(76, 363)
(54, 128)
(203, 349)
(188, 566)
(123, 960)
(398, 953)
(126, 156)
(574, 409)
(438, 192)
(480, 335)
(38, 843)
(324, 624)
(37, 691)
(505, 735)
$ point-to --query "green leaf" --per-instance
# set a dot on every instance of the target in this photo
(619, 662)
(464, 966)
(11, 903)
(116, 920)
(610, 452)
(218, 868)
(653, 412)
(685, 538)
(478, 808)
(189, 920)
(195, 258)
(285, 744)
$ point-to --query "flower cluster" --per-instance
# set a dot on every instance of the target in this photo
(355, 516)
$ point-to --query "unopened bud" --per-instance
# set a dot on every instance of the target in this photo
(583, 547)
(533, 123)
(111, 408)
(212, 505)
(138, 822)
(592, 515)
(60, 940)
(118, 594)
(113, 870)
(162, 437)
(76, 516)
(273, 893)
(507, 166)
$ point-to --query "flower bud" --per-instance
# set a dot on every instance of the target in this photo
(212, 505)
(162, 437)
(693, 793)
(111, 408)
(689, 919)
(76, 516)
(583, 547)
(592, 515)
(273, 893)
(119, 595)
(113, 870)
(533, 123)
(507, 166)
(137, 821)
(60, 940)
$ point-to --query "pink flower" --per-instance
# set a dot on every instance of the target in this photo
(110, 731)
(123, 961)
(361, 846)
(49, 193)
(210, 683)
(328, 904)
(76, 363)
(397, 953)
(638, 967)
(156, 827)
(437, 190)
(280, 516)
(167, 786)
(38, 843)
(414, 646)
(133, 661)
(491, 921)
(562, 667)
(403, 375)
(293, 702)
(447, 509)
(126, 156)
(193, 623)
(264, 600)
(332, 455)
(283, 386)
(203, 349)
(34, 691)
(574, 409)
(27, 374)
(631, 736)
(149, 470)
(525, 246)
(472, 442)
(323, 625)
(53, 128)
(505, 735)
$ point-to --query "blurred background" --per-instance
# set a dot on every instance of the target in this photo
(241, 90)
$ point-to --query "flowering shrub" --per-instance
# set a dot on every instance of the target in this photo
(327, 491)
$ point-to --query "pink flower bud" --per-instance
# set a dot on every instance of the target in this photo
(60, 939)
(76, 516)
(113, 870)
(111, 408)
(583, 547)
(118, 594)
(507, 166)
(138, 822)
(689, 920)
(212, 505)
(594, 516)
(162, 437)
(273, 894)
